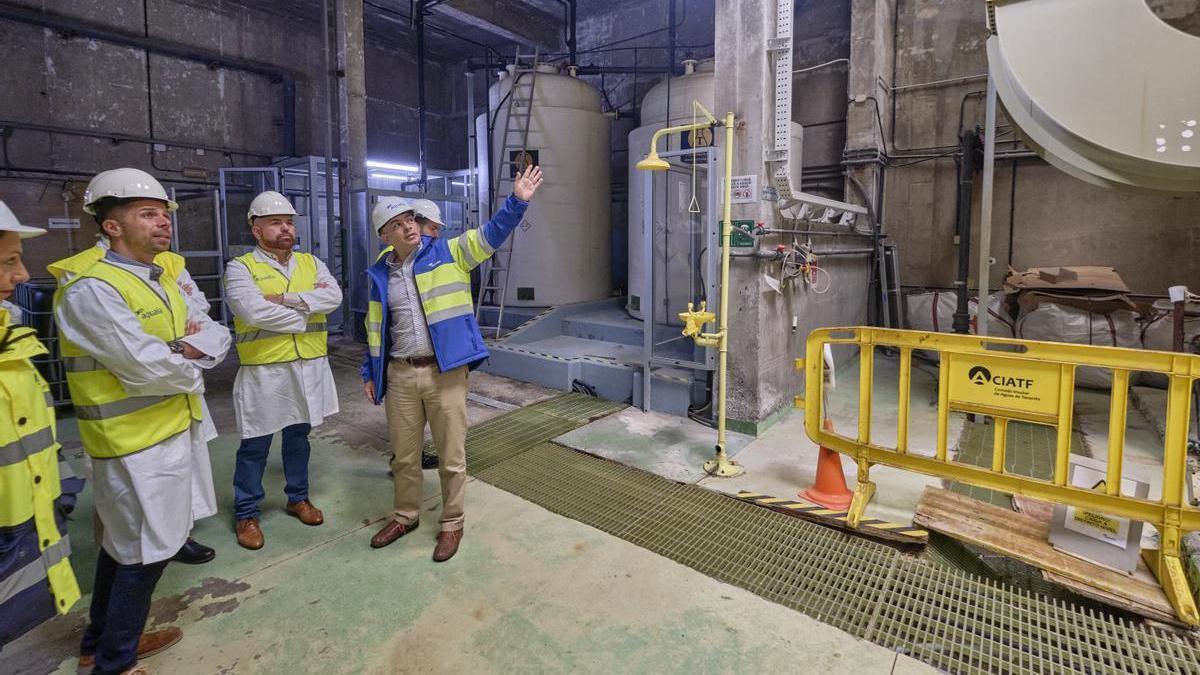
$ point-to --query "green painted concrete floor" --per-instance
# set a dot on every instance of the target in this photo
(529, 591)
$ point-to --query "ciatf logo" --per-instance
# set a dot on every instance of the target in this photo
(980, 375)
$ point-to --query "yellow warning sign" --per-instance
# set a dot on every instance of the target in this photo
(1098, 521)
(1107, 527)
(1012, 385)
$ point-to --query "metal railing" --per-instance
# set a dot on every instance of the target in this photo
(34, 297)
(1026, 381)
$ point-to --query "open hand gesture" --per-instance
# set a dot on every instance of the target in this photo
(527, 183)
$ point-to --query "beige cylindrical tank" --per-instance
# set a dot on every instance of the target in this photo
(562, 250)
(696, 84)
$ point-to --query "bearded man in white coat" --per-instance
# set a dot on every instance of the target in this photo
(279, 299)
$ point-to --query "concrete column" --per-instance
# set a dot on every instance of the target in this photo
(353, 94)
(869, 118)
(769, 328)
(872, 58)
(745, 86)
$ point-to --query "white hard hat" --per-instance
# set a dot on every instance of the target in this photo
(124, 183)
(387, 208)
(269, 203)
(429, 210)
(9, 223)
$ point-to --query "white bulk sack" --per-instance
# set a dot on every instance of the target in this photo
(1052, 322)
(1159, 334)
(934, 311)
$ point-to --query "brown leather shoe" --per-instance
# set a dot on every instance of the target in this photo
(148, 645)
(306, 512)
(447, 545)
(391, 532)
(249, 535)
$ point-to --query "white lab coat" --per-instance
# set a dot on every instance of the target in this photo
(147, 501)
(269, 397)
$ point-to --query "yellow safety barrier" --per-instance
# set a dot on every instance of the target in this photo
(1026, 381)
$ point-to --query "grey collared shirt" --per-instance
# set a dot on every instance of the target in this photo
(155, 270)
(410, 333)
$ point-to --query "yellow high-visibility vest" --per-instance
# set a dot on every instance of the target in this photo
(29, 472)
(256, 346)
(112, 423)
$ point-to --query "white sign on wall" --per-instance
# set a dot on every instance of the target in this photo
(744, 189)
(63, 223)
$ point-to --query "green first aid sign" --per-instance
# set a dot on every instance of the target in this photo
(740, 234)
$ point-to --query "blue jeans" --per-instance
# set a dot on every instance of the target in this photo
(120, 606)
(252, 461)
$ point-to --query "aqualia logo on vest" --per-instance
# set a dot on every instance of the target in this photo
(144, 313)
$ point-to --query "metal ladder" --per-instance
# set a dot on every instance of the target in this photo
(494, 273)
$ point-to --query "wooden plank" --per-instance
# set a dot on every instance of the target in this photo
(1118, 601)
(1025, 538)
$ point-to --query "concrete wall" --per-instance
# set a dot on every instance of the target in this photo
(1151, 238)
(821, 36)
(615, 34)
(75, 82)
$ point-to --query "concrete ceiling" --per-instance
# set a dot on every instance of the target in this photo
(456, 29)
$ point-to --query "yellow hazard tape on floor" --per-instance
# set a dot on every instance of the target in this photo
(799, 506)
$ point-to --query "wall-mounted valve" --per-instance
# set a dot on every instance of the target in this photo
(695, 320)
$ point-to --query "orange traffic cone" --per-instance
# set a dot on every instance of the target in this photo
(829, 490)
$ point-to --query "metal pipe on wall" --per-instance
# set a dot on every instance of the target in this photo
(129, 138)
(472, 206)
(331, 111)
(985, 208)
(969, 144)
(74, 26)
(571, 23)
(815, 233)
(671, 38)
(421, 123)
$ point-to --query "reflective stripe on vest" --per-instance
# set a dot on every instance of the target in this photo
(444, 290)
(256, 346)
(81, 364)
(124, 406)
(313, 326)
(31, 473)
(25, 447)
(35, 571)
(374, 328)
(112, 423)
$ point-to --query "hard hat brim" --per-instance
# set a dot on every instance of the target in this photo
(393, 217)
(24, 231)
(268, 215)
(172, 205)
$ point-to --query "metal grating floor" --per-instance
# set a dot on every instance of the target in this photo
(603, 494)
(505, 436)
(952, 620)
(824, 573)
(962, 624)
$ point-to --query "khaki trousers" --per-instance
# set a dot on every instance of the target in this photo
(414, 396)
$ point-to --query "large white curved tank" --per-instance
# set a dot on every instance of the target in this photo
(561, 251)
(1113, 100)
(696, 84)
